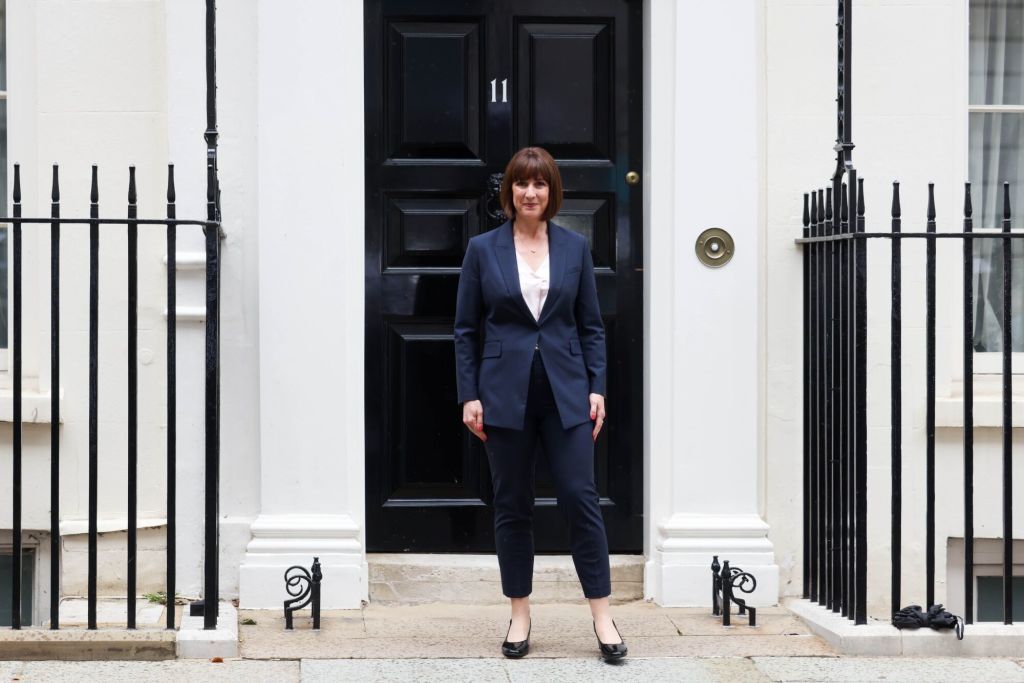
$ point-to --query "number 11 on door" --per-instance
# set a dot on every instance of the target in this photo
(494, 90)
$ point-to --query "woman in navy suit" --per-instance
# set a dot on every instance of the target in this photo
(530, 365)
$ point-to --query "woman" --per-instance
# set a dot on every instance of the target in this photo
(530, 364)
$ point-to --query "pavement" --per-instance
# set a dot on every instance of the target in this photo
(449, 643)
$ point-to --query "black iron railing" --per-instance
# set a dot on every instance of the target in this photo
(131, 223)
(835, 457)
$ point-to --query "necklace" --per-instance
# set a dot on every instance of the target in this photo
(520, 239)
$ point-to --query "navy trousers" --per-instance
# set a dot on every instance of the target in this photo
(570, 452)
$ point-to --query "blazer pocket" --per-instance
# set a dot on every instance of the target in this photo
(575, 348)
(492, 349)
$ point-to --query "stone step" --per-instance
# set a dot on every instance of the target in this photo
(413, 579)
(74, 644)
(150, 641)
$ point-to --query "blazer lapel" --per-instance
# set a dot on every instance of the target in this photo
(506, 253)
(556, 266)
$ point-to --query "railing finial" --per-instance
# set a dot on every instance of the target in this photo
(132, 195)
(931, 201)
(55, 187)
(170, 184)
(968, 207)
(896, 199)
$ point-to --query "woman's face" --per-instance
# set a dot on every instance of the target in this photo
(530, 198)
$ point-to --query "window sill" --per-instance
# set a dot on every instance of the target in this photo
(35, 407)
(988, 412)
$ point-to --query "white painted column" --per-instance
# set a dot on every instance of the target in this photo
(311, 270)
(704, 90)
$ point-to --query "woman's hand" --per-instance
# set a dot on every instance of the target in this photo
(597, 413)
(473, 418)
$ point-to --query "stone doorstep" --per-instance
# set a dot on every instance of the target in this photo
(149, 642)
(881, 638)
(406, 578)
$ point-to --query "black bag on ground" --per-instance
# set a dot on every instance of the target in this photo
(936, 617)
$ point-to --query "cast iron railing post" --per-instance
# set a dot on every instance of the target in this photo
(830, 400)
(94, 293)
(857, 205)
(842, 401)
(896, 392)
(55, 403)
(133, 393)
(807, 537)
(16, 418)
(968, 248)
(211, 588)
(929, 403)
(172, 331)
(1007, 415)
(860, 426)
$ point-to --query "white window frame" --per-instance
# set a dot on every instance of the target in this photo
(987, 362)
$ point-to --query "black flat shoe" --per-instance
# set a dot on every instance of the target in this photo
(519, 648)
(611, 652)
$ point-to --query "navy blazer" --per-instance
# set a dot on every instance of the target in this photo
(495, 333)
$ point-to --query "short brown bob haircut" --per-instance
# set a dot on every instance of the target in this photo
(527, 164)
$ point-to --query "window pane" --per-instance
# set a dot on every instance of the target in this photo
(3, 45)
(997, 52)
(3, 229)
(27, 566)
(990, 598)
(996, 156)
(988, 296)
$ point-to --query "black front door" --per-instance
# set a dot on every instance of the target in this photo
(453, 88)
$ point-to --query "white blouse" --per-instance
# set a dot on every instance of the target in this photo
(534, 284)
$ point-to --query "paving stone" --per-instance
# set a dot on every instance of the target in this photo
(418, 670)
(706, 624)
(692, 670)
(560, 630)
(841, 669)
(185, 671)
(714, 646)
(531, 670)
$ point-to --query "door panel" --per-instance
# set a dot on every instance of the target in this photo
(452, 87)
(428, 232)
(434, 89)
(565, 79)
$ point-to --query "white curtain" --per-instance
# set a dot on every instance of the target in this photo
(997, 156)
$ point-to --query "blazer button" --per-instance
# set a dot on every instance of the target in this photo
(536, 347)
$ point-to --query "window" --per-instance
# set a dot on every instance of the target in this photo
(990, 598)
(4, 191)
(996, 155)
(27, 570)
